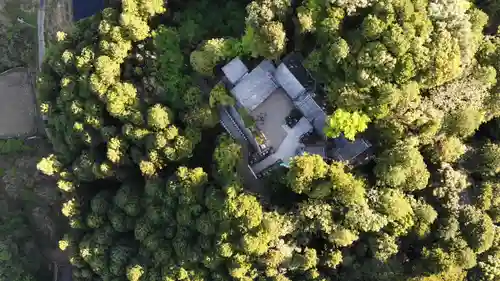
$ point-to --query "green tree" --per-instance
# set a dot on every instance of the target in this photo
(19, 48)
(134, 272)
(447, 149)
(333, 259)
(346, 123)
(227, 156)
(213, 52)
(402, 166)
(158, 117)
(484, 199)
(270, 41)
(170, 64)
(265, 34)
(383, 247)
(486, 160)
(342, 237)
(304, 170)
(49, 165)
(19, 255)
(464, 122)
(220, 96)
(478, 229)
(347, 189)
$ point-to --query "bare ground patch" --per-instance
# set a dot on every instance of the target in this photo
(17, 105)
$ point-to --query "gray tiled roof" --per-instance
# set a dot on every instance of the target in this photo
(319, 123)
(289, 82)
(316, 149)
(312, 112)
(346, 150)
(267, 65)
(235, 70)
(256, 86)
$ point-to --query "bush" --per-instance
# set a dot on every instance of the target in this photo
(12, 146)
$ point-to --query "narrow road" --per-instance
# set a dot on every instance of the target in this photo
(61, 260)
(41, 35)
(41, 52)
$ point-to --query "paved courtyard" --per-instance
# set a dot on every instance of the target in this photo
(288, 147)
(17, 105)
(271, 115)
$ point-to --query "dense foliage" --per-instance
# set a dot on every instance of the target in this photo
(18, 49)
(132, 101)
(29, 226)
(120, 96)
(19, 255)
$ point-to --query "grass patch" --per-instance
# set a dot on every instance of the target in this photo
(11, 146)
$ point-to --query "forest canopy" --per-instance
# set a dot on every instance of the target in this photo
(153, 186)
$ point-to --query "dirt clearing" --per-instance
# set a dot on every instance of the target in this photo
(17, 105)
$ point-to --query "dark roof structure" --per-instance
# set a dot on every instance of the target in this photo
(316, 149)
(312, 112)
(346, 150)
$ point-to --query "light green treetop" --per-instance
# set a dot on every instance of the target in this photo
(347, 123)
